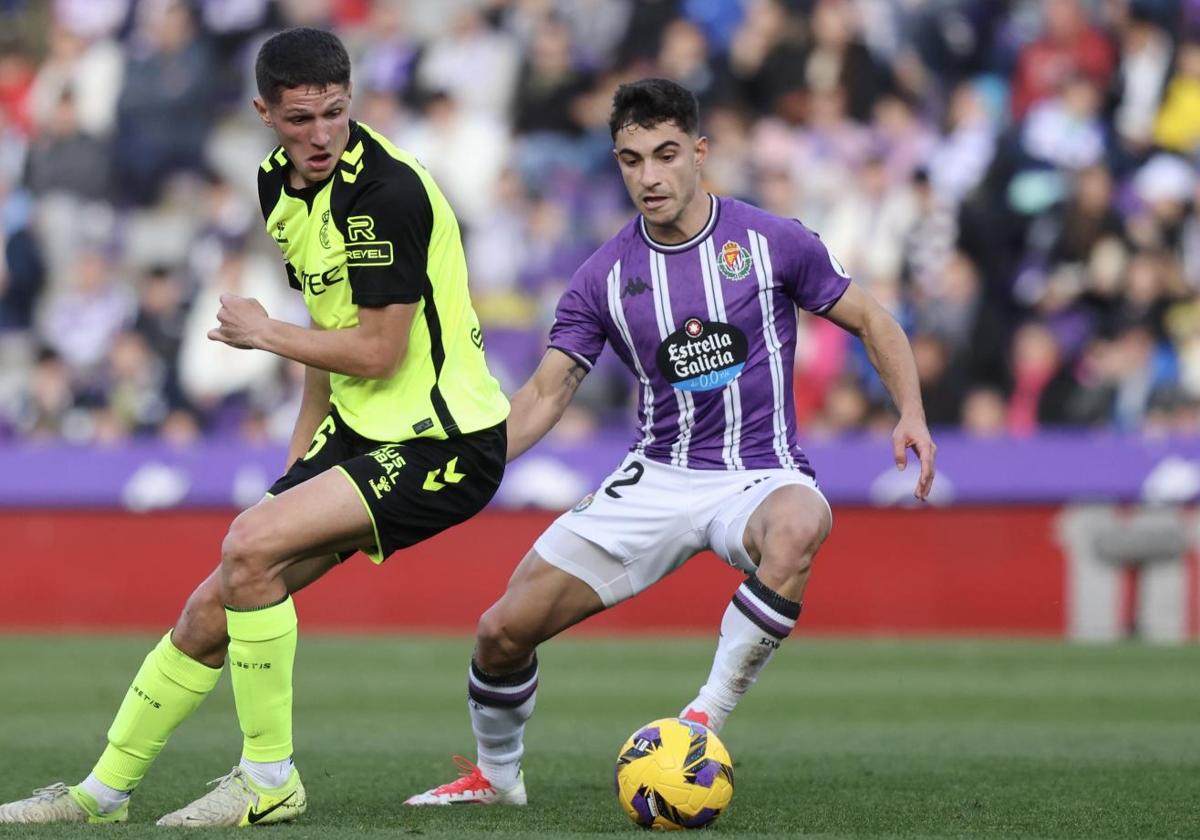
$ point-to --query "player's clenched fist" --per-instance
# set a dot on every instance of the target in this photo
(240, 320)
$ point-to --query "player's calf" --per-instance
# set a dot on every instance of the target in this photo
(498, 650)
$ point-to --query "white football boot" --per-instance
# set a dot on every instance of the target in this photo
(58, 803)
(471, 788)
(238, 801)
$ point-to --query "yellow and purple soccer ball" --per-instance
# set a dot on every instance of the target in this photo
(674, 774)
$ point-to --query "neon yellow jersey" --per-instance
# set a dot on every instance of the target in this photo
(378, 231)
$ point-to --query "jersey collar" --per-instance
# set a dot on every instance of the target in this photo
(309, 193)
(714, 213)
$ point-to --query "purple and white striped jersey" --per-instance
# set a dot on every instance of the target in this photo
(708, 327)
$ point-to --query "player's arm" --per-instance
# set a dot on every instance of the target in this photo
(540, 402)
(314, 407)
(374, 349)
(890, 353)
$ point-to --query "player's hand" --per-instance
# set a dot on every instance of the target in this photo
(241, 319)
(912, 433)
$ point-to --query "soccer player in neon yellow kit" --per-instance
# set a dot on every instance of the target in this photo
(401, 434)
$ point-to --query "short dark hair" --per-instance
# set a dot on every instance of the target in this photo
(648, 102)
(300, 57)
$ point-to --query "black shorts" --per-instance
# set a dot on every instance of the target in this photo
(413, 489)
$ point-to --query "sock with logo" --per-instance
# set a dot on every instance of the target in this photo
(168, 687)
(262, 651)
(755, 622)
(500, 705)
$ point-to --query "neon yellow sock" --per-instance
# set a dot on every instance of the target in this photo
(168, 687)
(262, 650)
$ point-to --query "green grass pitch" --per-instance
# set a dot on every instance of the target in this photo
(840, 739)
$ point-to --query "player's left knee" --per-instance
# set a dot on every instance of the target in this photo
(791, 545)
(245, 551)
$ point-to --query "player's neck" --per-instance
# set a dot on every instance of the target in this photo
(689, 223)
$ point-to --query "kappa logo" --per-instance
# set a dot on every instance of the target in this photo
(735, 261)
(278, 236)
(634, 286)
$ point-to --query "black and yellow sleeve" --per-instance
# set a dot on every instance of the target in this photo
(387, 227)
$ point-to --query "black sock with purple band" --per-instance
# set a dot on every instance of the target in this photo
(767, 609)
(506, 691)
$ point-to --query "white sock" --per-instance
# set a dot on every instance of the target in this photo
(500, 705)
(755, 622)
(107, 799)
(268, 774)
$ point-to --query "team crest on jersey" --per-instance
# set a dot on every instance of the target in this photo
(735, 261)
(323, 234)
(584, 503)
(702, 355)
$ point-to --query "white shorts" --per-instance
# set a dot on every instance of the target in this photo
(647, 519)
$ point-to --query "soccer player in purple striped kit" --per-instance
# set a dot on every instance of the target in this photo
(697, 296)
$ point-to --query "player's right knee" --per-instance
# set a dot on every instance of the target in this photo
(497, 648)
(244, 548)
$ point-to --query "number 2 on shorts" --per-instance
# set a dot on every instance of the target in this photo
(635, 470)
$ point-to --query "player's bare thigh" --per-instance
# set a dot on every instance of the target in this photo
(783, 535)
(540, 602)
(325, 515)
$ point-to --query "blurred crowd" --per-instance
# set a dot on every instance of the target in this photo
(1016, 181)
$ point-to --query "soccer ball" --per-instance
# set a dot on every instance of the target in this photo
(674, 774)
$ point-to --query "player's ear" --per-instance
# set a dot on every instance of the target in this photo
(263, 112)
(701, 150)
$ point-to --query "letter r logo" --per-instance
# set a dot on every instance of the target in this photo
(361, 228)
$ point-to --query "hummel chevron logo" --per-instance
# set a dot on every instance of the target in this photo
(255, 816)
(634, 286)
(450, 476)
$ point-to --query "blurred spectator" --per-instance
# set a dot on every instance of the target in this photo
(1065, 130)
(211, 372)
(837, 58)
(48, 410)
(1177, 126)
(472, 63)
(960, 158)
(80, 321)
(22, 271)
(984, 412)
(389, 59)
(546, 111)
(1144, 63)
(764, 55)
(465, 151)
(136, 386)
(1042, 386)
(89, 72)
(940, 379)
(16, 81)
(1069, 47)
(165, 109)
(63, 158)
